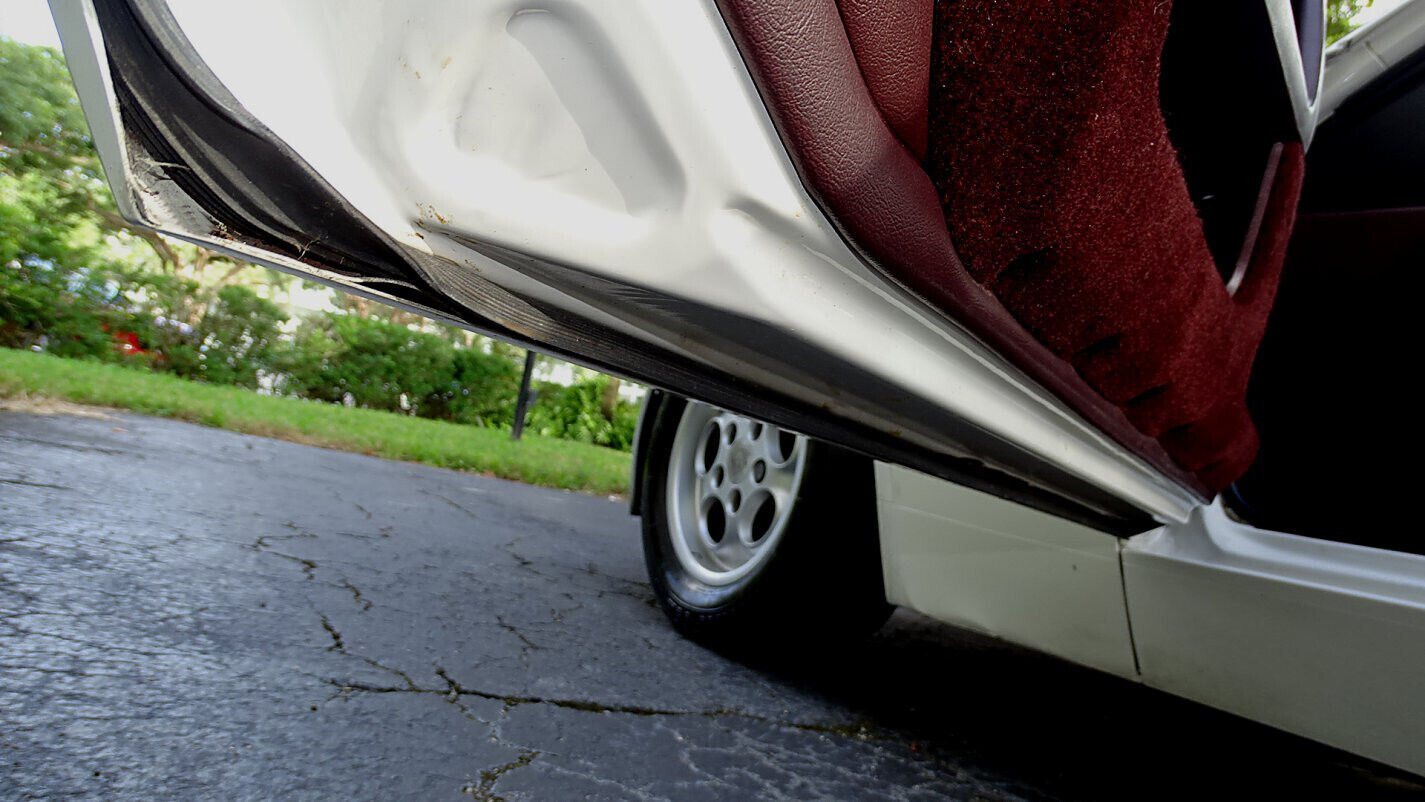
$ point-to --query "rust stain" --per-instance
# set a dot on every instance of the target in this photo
(428, 210)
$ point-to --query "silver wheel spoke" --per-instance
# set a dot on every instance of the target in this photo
(732, 551)
(723, 471)
(779, 480)
(709, 482)
(746, 517)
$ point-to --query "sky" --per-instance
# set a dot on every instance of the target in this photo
(29, 21)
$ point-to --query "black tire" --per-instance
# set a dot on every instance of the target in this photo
(822, 583)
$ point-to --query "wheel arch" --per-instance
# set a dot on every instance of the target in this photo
(647, 413)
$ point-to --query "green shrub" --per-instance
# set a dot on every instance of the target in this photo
(238, 337)
(483, 390)
(373, 362)
(576, 413)
(55, 292)
(161, 307)
(61, 310)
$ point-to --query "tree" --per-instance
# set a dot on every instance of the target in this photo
(55, 289)
(42, 127)
(43, 137)
(45, 142)
(1340, 17)
(608, 398)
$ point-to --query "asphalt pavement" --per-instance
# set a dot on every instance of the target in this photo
(191, 613)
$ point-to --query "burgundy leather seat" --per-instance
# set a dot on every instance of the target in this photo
(1010, 162)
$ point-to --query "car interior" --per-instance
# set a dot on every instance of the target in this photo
(1326, 389)
(1110, 197)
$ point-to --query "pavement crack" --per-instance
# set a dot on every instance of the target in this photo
(556, 616)
(513, 630)
(457, 505)
(410, 683)
(484, 790)
(263, 542)
(631, 588)
(309, 567)
(337, 644)
(453, 690)
(364, 512)
(520, 560)
(5, 480)
(69, 672)
(356, 595)
(117, 452)
(357, 535)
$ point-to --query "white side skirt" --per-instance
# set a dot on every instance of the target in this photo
(978, 561)
(1322, 639)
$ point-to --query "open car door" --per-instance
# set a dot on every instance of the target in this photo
(1028, 248)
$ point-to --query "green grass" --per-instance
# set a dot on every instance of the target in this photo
(537, 460)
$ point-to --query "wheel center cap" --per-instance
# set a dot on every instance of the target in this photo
(738, 460)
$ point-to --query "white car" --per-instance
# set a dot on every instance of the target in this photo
(1086, 325)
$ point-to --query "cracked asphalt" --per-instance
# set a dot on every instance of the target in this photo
(192, 613)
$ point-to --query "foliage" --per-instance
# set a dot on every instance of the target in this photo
(576, 413)
(37, 105)
(55, 289)
(370, 363)
(1340, 17)
(52, 290)
(44, 305)
(534, 459)
(76, 280)
(162, 308)
(482, 390)
(42, 128)
(238, 337)
(375, 363)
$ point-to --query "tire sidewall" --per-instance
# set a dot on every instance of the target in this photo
(805, 584)
(664, 568)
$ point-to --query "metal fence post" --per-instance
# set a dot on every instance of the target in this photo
(522, 405)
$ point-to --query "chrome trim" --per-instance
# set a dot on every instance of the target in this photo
(1284, 33)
